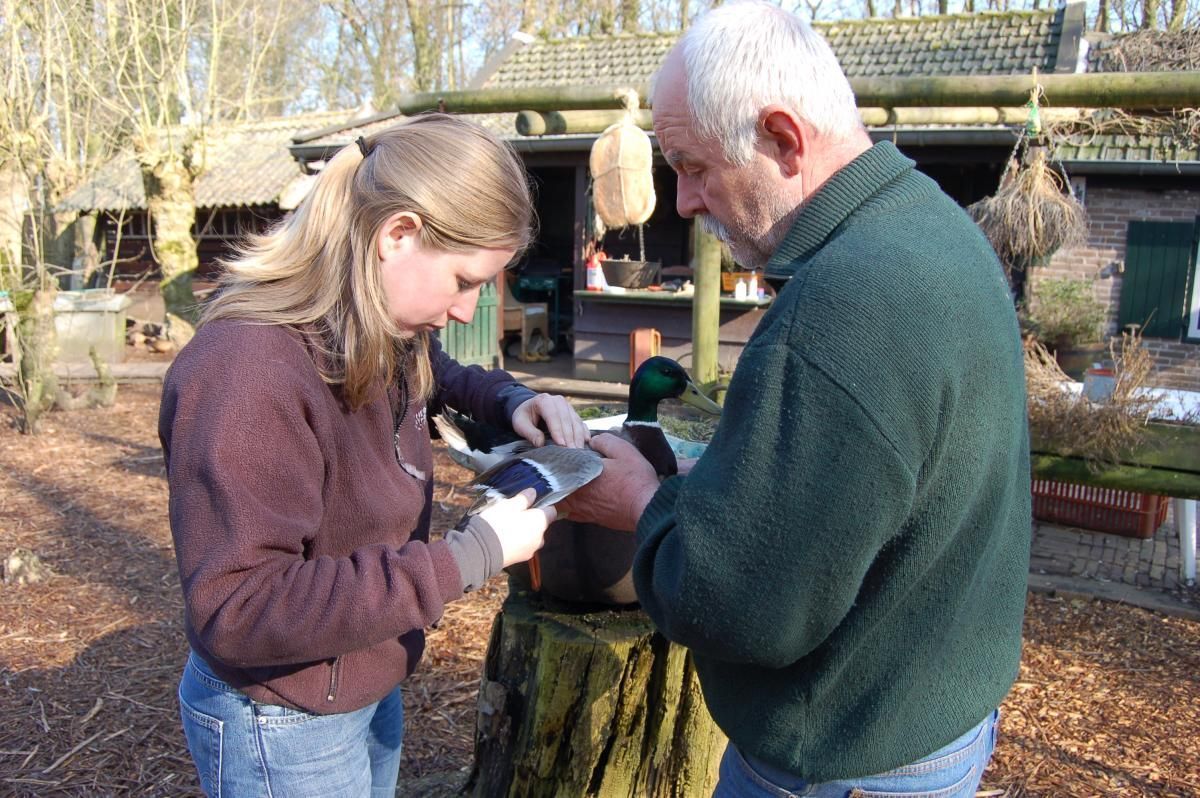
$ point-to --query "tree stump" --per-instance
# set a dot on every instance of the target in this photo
(589, 703)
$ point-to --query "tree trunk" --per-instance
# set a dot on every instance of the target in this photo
(589, 704)
(1102, 17)
(424, 46)
(169, 183)
(631, 16)
(37, 342)
(1178, 15)
(14, 202)
(1149, 15)
(85, 261)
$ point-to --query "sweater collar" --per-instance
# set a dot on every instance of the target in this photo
(833, 202)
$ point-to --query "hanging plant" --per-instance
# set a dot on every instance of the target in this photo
(1034, 213)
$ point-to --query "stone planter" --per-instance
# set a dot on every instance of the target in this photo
(90, 318)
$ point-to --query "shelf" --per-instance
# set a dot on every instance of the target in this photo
(643, 297)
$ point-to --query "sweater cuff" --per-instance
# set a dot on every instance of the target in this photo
(477, 552)
(661, 509)
(510, 397)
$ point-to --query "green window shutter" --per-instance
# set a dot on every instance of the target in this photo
(1158, 258)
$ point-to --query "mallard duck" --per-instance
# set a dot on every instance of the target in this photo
(656, 379)
(474, 445)
(508, 464)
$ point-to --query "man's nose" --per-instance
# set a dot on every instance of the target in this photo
(688, 202)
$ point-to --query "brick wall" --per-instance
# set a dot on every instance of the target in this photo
(1110, 209)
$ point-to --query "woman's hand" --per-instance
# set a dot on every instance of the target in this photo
(556, 415)
(521, 530)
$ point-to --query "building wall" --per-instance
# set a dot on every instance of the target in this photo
(1110, 207)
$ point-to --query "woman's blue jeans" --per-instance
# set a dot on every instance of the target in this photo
(244, 749)
(953, 771)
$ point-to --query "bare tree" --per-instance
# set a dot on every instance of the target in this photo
(50, 134)
(162, 71)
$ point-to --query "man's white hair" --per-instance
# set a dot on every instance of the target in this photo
(743, 56)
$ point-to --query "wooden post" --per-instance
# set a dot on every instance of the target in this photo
(706, 305)
(589, 704)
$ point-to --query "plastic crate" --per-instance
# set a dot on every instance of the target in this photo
(1121, 512)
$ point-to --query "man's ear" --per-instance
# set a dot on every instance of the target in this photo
(396, 229)
(785, 136)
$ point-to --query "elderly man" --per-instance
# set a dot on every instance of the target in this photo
(848, 560)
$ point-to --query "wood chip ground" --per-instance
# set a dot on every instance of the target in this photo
(1107, 702)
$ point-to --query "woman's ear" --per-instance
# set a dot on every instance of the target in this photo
(399, 231)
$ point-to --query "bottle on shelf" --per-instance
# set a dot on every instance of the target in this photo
(740, 289)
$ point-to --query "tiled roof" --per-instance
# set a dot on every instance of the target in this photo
(1131, 148)
(1006, 43)
(502, 125)
(247, 164)
(977, 44)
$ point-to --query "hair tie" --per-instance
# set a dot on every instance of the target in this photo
(362, 147)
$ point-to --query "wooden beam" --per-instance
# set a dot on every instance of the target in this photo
(1161, 481)
(1129, 90)
(547, 123)
(1167, 463)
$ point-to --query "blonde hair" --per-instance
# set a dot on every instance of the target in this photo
(318, 270)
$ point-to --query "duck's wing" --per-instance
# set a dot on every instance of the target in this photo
(474, 445)
(551, 471)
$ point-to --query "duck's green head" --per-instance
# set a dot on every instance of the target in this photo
(661, 378)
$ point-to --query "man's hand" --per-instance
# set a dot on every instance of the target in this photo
(556, 414)
(616, 498)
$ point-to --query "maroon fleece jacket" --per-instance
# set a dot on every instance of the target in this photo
(301, 528)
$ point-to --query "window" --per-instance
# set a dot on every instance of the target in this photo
(1159, 261)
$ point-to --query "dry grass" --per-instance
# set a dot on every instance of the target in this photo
(1102, 433)
(1108, 701)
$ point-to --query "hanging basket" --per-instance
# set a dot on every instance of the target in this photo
(622, 180)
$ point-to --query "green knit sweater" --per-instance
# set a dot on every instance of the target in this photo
(848, 560)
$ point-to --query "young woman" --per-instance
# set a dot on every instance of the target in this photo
(294, 427)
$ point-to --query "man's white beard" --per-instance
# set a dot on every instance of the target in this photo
(753, 253)
(744, 252)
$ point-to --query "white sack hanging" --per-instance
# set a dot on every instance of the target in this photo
(622, 181)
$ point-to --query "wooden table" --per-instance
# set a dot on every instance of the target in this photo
(1168, 465)
(604, 320)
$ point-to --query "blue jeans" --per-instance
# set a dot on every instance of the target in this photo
(244, 749)
(952, 771)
